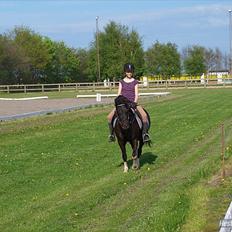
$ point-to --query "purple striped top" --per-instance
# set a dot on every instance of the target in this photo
(128, 89)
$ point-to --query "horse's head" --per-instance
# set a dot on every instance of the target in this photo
(123, 109)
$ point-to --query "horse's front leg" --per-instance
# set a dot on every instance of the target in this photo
(124, 156)
(135, 155)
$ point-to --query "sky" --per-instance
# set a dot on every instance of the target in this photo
(183, 22)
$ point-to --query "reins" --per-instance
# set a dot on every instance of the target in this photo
(130, 120)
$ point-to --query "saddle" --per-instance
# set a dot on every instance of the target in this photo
(132, 105)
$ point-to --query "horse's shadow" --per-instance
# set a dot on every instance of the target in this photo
(145, 158)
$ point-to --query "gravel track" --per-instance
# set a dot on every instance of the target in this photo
(14, 109)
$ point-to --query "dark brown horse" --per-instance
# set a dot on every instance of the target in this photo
(127, 129)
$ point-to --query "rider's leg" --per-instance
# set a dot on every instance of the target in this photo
(109, 118)
(146, 137)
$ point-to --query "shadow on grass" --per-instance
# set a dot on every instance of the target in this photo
(145, 158)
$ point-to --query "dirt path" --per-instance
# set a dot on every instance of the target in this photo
(20, 109)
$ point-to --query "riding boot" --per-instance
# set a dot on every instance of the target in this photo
(112, 135)
(146, 136)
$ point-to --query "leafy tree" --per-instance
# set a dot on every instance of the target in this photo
(13, 62)
(32, 45)
(83, 57)
(63, 65)
(117, 45)
(194, 64)
(163, 60)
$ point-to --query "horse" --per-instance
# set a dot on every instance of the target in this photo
(127, 129)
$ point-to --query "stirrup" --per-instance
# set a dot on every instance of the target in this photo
(111, 138)
(146, 138)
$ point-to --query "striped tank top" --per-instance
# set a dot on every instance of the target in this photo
(128, 89)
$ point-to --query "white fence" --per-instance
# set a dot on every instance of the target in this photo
(99, 96)
(94, 87)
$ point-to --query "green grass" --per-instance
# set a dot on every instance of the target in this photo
(51, 95)
(59, 173)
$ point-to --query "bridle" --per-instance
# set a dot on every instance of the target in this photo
(129, 120)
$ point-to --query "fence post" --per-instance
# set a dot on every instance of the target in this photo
(8, 88)
(42, 87)
(223, 151)
(25, 89)
(110, 85)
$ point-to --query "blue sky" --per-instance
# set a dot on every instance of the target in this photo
(183, 22)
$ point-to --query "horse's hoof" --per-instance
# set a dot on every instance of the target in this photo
(125, 169)
(135, 165)
(135, 168)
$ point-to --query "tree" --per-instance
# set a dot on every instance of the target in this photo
(194, 63)
(163, 60)
(83, 56)
(13, 62)
(209, 59)
(63, 65)
(33, 47)
(117, 46)
(225, 61)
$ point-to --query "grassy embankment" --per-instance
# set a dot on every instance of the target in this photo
(58, 172)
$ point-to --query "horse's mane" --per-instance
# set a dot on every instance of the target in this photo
(121, 100)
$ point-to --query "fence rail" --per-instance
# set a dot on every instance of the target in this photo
(108, 86)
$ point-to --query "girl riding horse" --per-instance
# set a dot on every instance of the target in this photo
(128, 87)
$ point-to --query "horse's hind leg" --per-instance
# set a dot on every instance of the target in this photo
(124, 156)
(136, 162)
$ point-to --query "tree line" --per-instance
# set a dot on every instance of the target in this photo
(28, 57)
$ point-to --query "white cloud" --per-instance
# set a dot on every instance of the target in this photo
(213, 14)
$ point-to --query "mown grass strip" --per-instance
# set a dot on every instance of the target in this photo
(58, 173)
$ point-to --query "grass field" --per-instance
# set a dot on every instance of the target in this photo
(59, 173)
(51, 95)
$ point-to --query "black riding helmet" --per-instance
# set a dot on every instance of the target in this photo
(128, 67)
